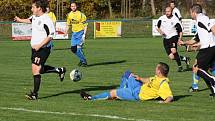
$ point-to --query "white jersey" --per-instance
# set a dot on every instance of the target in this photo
(168, 25)
(176, 13)
(204, 25)
(42, 27)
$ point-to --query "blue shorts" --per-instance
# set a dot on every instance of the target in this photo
(76, 38)
(130, 91)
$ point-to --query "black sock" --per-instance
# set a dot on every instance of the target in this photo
(37, 80)
(177, 59)
(208, 80)
(183, 58)
(49, 69)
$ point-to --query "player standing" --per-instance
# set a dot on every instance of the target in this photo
(77, 20)
(175, 11)
(42, 34)
(170, 28)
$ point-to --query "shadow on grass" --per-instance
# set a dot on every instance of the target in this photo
(88, 88)
(62, 48)
(106, 63)
(178, 97)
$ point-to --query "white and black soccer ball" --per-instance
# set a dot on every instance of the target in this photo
(75, 75)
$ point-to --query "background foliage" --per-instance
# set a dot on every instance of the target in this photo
(105, 9)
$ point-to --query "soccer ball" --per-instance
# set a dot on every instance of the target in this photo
(75, 75)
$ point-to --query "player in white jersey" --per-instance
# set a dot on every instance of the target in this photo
(205, 56)
(175, 11)
(170, 28)
(42, 34)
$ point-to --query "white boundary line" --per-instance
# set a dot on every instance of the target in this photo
(73, 114)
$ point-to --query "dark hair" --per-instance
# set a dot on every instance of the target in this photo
(173, 1)
(196, 8)
(164, 68)
(43, 4)
(73, 1)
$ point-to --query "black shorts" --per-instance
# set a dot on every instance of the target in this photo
(170, 43)
(42, 54)
(205, 58)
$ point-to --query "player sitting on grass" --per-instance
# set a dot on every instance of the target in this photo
(133, 87)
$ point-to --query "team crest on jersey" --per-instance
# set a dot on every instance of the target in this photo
(172, 23)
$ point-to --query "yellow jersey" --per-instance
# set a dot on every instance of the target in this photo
(156, 87)
(52, 16)
(77, 21)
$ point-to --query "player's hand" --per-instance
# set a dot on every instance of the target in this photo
(163, 35)
(83, 38)
(195, 68)
(16, 19)
(65, 34)
(136, 77)
(180, 42)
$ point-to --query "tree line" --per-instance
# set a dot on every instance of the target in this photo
(104, 9)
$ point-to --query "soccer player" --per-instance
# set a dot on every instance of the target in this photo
(77, 20)
(175, 11)
(42, 33)
(134, 88)
(205, 56)
(170, 28)
(51, 15)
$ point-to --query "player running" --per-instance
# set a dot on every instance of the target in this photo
(170, 28)
(42, 34)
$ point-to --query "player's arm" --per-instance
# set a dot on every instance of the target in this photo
(213, 29)
(167, 100)
(84, 22)
(17, 19)
(68, 24)
(159, 30)
(141, 79)
(179, 30)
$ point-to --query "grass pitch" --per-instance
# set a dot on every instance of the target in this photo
(108, 59)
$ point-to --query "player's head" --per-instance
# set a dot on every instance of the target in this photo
(73, 6)
(162, 69)
(39, 6)
(194, 10)
(168, 12)
(172, 4)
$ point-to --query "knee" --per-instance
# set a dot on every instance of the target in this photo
(74, 49)
(36, 69)
(173, 51)
(113, 93)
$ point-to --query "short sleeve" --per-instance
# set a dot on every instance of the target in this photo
(164, 90)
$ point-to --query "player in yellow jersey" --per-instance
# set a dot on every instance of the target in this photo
(51, 15)
(133, 87)
(77, 21)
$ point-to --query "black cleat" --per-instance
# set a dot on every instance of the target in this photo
(85, 96)
(191, 89)
(180, 69)
(62, 73)
(31, 96)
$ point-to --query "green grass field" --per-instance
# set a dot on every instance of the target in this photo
(108, 59)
